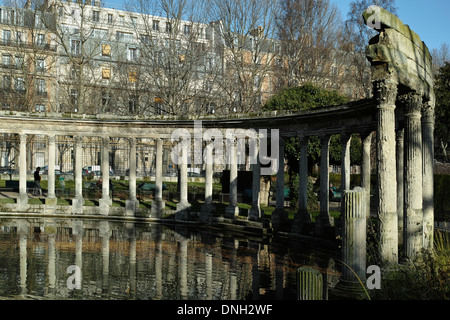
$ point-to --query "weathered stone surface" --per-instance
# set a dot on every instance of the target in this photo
(398, 52)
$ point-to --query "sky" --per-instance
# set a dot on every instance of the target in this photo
(428, 18)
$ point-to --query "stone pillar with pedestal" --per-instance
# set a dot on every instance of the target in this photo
(232, 210)
(255, 211)
(51, 200)
(22, 200)
(279, 216)
(184, 205)
(78, 201)
(208, 207)
(385, 92)
(366, 168)
(413, 206)
(428, 120)
(324, 221)
(158, 203)
(106, 201)
(302, 221)
(132, 204)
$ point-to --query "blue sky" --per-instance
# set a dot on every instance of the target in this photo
(430, 19)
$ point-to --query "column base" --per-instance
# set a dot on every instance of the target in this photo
(77, 205)
(131, 207)
(346, 290)
(324, 225)
(207, 210)
(104, 205)
(22, 202)
(158, 206)
(279, 218)
(231, 212)
(50, 204)
(302, 223)
(255, 214)
(182, 209)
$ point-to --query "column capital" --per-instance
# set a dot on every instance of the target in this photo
(51, 138)
(412, 103)
(428, 112)
(385, 92)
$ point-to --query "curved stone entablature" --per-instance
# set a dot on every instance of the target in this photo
(398, 52)
(353, 117)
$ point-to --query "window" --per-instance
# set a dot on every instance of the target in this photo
(75, 46)
(6, 60)
(106, 99)
(106, 73)
(73, 97)
(110, 18)
(133, 104)
(19, 85)
(187, 29)
(40, 39)
(40, 86)
(40, 65)
(145, 39)
(123, 36)
(6, 83)
(19, 62)
(95, 16)
(6, 36)
(168, 27)
(134, 21)
(132, 54)
(40, 108)
(106, 50)
(155, 25)
(19, 37)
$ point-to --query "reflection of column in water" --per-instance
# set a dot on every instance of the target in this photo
(50, 230)
(279, 277)
(208, 274)
(105, 234)
(77, 231)
(22, 229)
(233, 274)
(132, 241)
(158, 269)
(183, 268)
(255, 270)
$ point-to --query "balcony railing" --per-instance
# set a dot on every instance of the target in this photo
(28, 45)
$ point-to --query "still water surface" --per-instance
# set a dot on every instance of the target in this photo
(126, 260)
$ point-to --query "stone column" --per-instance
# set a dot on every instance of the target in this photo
(309, 284)
(255, 211)
(105, 202)
(354, 238)
(413, 215)
(158, 204)
(324, 221)
(428, 173)
(345, 162)
(78, 201)
(366, 169)
(400, 182)
(232, 210)
(184, 204)
(302, 220)
(280, 215)
(132, 204)
(385, 92)
(51, 200)
(105, 234)
(208, 207)
(22, 200)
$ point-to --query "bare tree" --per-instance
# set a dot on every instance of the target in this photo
(312, 43)
(173, 47)
(440, 56)
(246, 32)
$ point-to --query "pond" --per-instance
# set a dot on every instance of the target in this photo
(90, 259)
